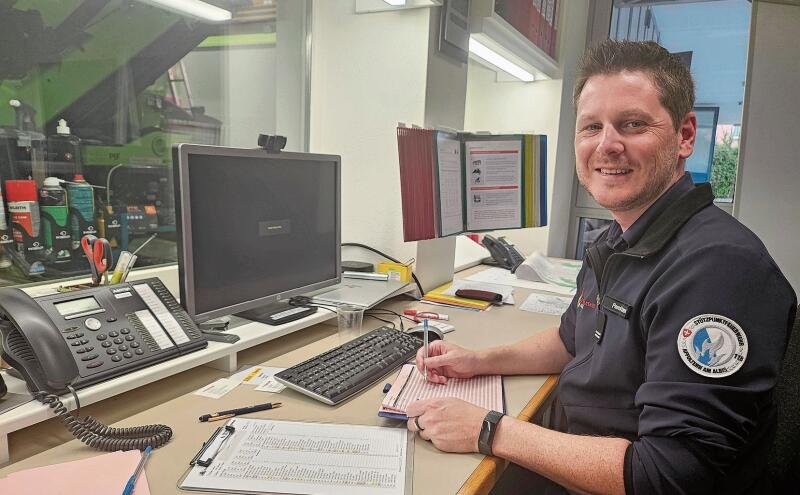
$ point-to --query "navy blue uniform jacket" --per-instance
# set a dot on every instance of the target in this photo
(695, 426)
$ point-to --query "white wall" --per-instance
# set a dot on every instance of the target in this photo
(512, 107)
(767, 197)
(368, 73)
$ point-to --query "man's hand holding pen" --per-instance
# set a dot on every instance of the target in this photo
(447, 360)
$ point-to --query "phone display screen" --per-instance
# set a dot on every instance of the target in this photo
(77, 306)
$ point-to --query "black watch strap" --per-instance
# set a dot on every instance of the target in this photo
(488, 430)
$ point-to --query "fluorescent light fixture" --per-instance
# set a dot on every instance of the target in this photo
(194, 8)
(396, 3)
(487, 54)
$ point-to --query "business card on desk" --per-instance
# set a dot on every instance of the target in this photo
(255, 375)
(271, 385)
(218, 388)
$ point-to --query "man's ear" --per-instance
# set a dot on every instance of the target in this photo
(687, 133)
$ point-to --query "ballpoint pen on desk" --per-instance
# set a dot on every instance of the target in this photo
(236, 412)
(132, 481)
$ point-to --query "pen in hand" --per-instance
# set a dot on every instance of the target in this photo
(132, 481)
(217, 416)
(425, 343)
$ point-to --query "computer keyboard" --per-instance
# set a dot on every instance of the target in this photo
(342, 372)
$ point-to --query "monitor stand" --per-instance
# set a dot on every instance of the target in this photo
(277, 313)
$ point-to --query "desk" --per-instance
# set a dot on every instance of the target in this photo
(434, 472)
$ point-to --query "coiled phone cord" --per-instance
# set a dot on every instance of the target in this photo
(99, 436)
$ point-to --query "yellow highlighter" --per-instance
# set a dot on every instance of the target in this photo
(124, 264)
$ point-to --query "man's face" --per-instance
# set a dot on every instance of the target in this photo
(627, 150)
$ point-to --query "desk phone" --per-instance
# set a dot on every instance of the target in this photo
(85, 337)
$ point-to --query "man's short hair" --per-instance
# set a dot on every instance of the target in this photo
(668, 72)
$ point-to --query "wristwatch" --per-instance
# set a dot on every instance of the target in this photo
(488, 429)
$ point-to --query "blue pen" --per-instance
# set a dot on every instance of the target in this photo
(425, 332)
(132, 482)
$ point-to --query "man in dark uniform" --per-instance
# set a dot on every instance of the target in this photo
(671, 347)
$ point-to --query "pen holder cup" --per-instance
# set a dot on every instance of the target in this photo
(350, 319)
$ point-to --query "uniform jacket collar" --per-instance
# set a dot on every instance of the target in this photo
(659, 223)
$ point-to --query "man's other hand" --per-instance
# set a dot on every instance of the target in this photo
(451, 424)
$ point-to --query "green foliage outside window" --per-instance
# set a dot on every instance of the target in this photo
(723, 171)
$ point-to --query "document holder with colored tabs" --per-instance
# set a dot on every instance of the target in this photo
(485, 391)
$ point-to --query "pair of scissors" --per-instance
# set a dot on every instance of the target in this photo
(98, 252)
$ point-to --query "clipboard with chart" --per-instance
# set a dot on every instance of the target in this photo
(260, 456)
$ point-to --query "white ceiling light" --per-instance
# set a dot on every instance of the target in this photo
(487, 54)
(395, 2)
(194, 8)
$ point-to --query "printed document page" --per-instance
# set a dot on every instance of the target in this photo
(265, 456)
(494, 184)
(450, 188)
(546, 304)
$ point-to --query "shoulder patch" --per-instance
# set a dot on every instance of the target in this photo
(712, 345)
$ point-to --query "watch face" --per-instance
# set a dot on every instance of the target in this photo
(488, 429)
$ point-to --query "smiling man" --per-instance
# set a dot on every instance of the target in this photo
(667, 356)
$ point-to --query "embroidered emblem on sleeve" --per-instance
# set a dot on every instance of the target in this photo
(712, 345)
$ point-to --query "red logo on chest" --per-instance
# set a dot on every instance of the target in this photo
(582, 301)
(686, 332)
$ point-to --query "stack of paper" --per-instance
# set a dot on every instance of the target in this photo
(454, 183)
(485, 391)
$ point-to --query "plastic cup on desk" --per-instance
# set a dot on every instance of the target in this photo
(351, 318)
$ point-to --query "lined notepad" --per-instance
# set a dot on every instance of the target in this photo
(485, 391)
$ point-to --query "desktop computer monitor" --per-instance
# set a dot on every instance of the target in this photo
(254, 228)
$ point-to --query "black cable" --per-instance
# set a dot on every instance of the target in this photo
(99, 436)
(77, 400)
(306, 301)
(381, 319)
(399, 316)
(364, 246)
(323, 307)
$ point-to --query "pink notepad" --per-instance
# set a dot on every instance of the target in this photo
(484, 391)
(104, 473)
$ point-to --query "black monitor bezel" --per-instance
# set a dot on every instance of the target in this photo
(180, 156)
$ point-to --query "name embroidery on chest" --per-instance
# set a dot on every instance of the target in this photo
(617, 307)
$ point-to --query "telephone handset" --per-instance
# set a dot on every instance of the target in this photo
(71, 340)
(503, 252)
(38, 352)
